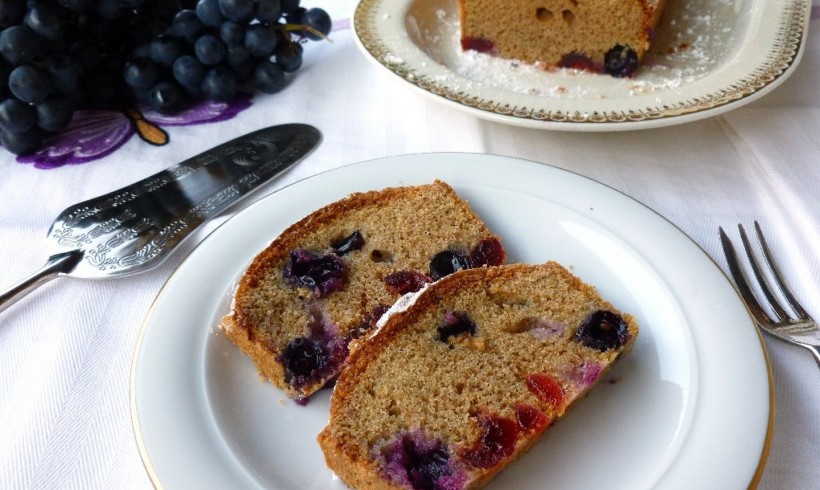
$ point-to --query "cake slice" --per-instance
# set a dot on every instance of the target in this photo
(327, 278)
(466, 378)
(595, 35)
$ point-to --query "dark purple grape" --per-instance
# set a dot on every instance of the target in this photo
(237, 56)
(260, 40)
(194, 91)
(302, 357)
(54, 113)
(232, 33)
(237, 10)
(422, 462)
(77, 5)
(268, 77)
(602, 330)
(322, 274)
(29, 84)
(166, 49)
(188, 70)
(427, 467)
(131, 4)
(64, 72)
(219, 83)
(86, 54)
(446, 262)
(19, 44)
(295, 16)
(318, 20)
(112, 9)
(455, 323)
(11, 12)
(267, 11)
(22, 143)
(16, 116)
(289, 56)
(209, 13)
(45, 21)
(244, 71)
(5, 70)
(403, 282)
(578, 61)
(186, 25)
(355, 241)
(210, 50)
(167, 98)
(621, 61)
(289, 7)
(488, 252)
(141, 73)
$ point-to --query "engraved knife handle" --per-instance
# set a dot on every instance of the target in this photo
(56, 265)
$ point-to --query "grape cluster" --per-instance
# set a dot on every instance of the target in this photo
(60, 56)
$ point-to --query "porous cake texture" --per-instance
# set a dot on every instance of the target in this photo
(457, 386)
(327, 278)
(608, 36)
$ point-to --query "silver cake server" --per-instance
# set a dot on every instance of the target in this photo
(135, 228)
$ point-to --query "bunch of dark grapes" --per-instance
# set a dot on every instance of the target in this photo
(60, 56)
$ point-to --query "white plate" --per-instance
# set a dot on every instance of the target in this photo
(708, 56)
(690, 407)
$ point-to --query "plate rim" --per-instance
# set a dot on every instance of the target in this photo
(785, 53)
(134, 412)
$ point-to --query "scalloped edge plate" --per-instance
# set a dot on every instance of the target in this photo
(751, 46)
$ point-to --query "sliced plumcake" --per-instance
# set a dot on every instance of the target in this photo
(327, 278)
(460, 383)
(595, 35)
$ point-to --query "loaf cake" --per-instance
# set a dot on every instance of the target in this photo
(466, 378)
(594, 35)
(327, 278)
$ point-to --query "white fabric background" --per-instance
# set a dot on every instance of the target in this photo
(66, 351)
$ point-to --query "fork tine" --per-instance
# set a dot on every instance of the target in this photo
(778, 278)
(736, 272)
(778, 310)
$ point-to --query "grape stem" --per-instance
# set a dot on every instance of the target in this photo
(299, 27)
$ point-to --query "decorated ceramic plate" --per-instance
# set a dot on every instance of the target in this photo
(707, 57)
(667, 416)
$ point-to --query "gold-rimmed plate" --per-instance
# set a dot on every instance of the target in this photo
(708, 57)
(668, 418)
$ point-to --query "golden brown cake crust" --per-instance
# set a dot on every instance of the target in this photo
(403, 227)
(405, 378)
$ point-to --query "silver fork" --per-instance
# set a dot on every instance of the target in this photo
(798, 328)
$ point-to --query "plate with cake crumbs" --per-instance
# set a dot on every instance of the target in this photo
(665, 416)
(705, 57)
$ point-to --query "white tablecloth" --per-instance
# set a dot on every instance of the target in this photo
(66, 350)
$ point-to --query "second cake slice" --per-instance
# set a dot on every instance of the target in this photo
(468, 376)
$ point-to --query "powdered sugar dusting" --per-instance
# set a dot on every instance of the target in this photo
(692, 39)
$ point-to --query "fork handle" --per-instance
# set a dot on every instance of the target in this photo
(56, 265)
